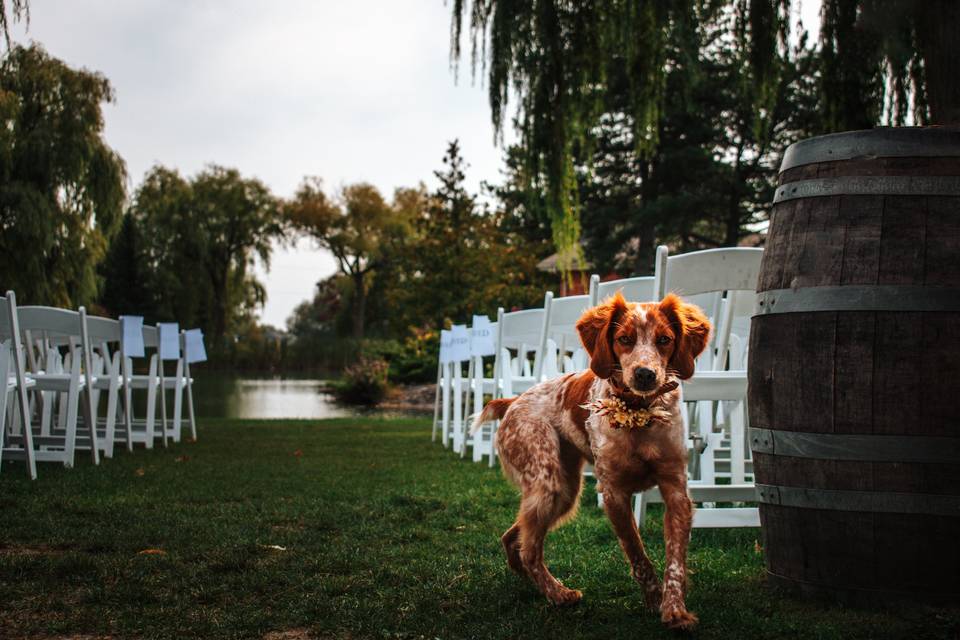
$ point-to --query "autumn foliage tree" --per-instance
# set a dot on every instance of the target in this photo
(357, 226)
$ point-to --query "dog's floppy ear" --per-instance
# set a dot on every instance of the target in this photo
(693, 332)
(595, 327)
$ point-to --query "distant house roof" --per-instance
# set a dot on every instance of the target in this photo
(549, 264)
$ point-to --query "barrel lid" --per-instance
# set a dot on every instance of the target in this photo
(878, 143)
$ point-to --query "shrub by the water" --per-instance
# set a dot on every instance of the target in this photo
(364, 382)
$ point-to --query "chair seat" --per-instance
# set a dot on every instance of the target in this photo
(715, 385)
(59, 381)
(171, 383)
(28, 383)
(103, 382)
(144, 382)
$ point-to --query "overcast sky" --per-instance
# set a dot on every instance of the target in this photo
(348, 91)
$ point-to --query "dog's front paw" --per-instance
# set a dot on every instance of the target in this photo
(678, 618)
(564, 597)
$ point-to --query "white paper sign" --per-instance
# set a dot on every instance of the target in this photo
(446, 340)
(460, 347)
(169, 339)
(481, 337)
(193, 346)
(132, 328)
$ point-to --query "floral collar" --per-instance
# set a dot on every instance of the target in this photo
(630, 411)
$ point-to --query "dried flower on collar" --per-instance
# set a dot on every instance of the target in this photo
(621, 416)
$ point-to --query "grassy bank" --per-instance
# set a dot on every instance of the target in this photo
(349, 529)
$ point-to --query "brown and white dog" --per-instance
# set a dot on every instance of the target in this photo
(637, 353)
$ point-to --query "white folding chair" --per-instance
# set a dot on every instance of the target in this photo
(16, 383)
(459, 353)
(193, 353)
(108, 367)
(482, 345)
(560, 343)
(441, 401)
(168, 334)
(520, 331)
(142, 430)
(639, 289)
(68, 379)
(704, 277)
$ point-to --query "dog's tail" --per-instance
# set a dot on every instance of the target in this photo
(494, 410)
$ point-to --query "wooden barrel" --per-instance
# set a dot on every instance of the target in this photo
(854, 372)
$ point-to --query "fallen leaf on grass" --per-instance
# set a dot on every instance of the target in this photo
(273, 547)
(183, 458)
(298, 453)
(292, 634)
(152, 552)
(139, 472)
(757, 548)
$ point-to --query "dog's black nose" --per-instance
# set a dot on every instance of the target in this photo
(644, 378)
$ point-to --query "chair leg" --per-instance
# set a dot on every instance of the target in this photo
(151, 413)
(90, 420)
(70, 445)
(162, 390)
(436, 404)
(178, 402)
(640, 509)
(445, 412)
(190, 412)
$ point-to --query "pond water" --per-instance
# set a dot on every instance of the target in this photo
(218, 395)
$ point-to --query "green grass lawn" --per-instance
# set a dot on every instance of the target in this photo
(354, 528)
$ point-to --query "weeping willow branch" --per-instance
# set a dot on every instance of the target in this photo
(555, 58)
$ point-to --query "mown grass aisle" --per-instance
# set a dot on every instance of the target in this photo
(348, 528)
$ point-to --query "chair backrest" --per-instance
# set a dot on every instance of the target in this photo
(726, 269)
(168, 340)
(9, 326)
(703, 278)
(639, 289)
(521, 328)
(483, 335)
(561, 335)
(61, 322)
(192, 345)
(565, 311)
(460, 343)
(104, 329)
(150, 337)
(50, 320)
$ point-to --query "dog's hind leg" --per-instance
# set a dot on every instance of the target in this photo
(511, 545)
(542, 508)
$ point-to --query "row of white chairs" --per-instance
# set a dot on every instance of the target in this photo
(59, 365)
(533, 345)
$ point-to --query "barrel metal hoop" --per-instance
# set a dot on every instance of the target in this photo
(896, 142)
(869, 186)
(906, 298)
(868, 448)
(861, 501)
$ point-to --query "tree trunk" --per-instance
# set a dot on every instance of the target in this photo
(219, 282)
(938, 30)
(359, 304)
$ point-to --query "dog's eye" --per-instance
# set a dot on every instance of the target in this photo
(625, 340)
(662, 340)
